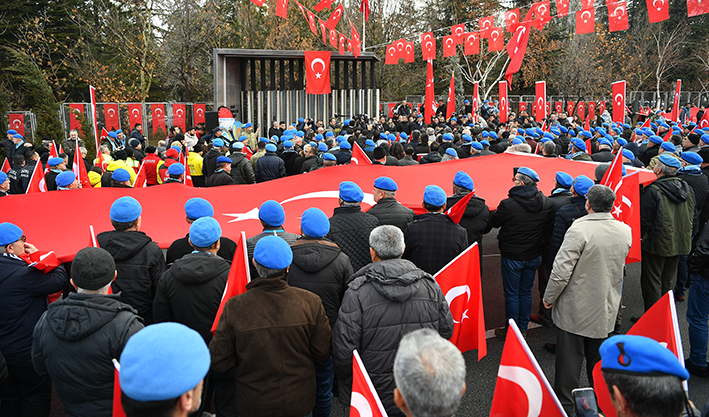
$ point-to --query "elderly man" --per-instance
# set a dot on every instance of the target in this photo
(385, 300)
(73, 141)
(585, 287)
(388, 210)
(272, 217)
(222, 175)
(429, 372)
(67, 181)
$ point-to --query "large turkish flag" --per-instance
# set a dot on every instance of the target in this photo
(317, 72)
(76, 110)
(198, 113)
(619, 101)
(178, 115)
(158, 112)
(135, 114)
(658, 10)
(428, 46)
(110, 114)
(540, 103)
(504, 104)
(17, 122)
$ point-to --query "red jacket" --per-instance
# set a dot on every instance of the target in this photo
(151, 162)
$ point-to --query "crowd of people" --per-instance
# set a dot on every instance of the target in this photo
(355, 281)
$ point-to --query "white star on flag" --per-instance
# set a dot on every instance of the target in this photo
(318, 75)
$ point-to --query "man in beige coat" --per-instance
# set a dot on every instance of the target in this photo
(584, 288)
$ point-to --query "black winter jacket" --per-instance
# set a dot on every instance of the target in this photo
(565, 216)
(693, 176)
(390, 211)
(23, 300)
(559, 198)
(190, 292)
(209, 163)
(430, 157)
(522, 219)
(270, 167)
(384, 301)
(241, 170)
(75, 341)
(220, 177)
(140, 263)
(475, 220)
(349, 229)
(320, 267)
(182, 247)
(289, 161)
(433, 240)
(699, 259)
(603, 155)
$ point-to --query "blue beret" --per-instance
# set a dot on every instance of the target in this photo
(113, 134)
(329, 134)
(196, 208)
(625, 125)
(447, 136)
(572, 133)
(176, 169)
(386, 184)
(350, 192)
(586, 133)
(581, 185)
(341, 139)
(313, 144)
(466, 101)
(639, 355)
(670, 161)
(54, 161)
(485, 143)
(451, 152)
(237, 145)
(288, 144)
(517, 141)
(534, 134)
(65, 178)
(529, 131)
(248, 124)
(272, 213)
(621, 141)
(9, 233)
(528, 172)
(467, 138)
(629, 154)
(434, 195)
(563, 129)
(538, 130)
(314, 222)
(648, 132)
(485, 134)
(273, 252)
(692, 158)
(12, 132)
(493, 135)
(119, 131)
(17, 136)
(477, 145)
(319, 137)
(653, 125)
(668, 146)
(242, 138)
(301, 120)
(120, 175)
(564, 179)
(601, 130)
(322, 147)
(555, 130)
(606, 142)
(218, 143)
(705, 138)
(271, 148)
(125, 209)
(345, 145)
(545, 140)
(205, 231)
(462, 179)
(300, 133)
(591, 129)
(403, 135)
(370, 142)
(262, 139)
(665, 125)
(656, 139)
(177, 148)
(579, 143)
(162, 362)
(391, 136)
(548, 135)
(3, 177)
(329, 157)
(453, 118)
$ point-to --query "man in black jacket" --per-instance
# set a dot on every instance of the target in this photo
(241, 170)
(270, 166)
(210, 159)
(139, 260)
(476, 219)
(396, 298)
(56, 167)
(222, 175)
(388, 210)
(196, 208)
(698, 306)
(522, 219)
(190, 293)
(433, 239)
(76, 356)
(289, 156)
(320, 267)
(350, 226)
(272, 217)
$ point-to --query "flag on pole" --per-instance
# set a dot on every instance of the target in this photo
(460, 282)
(94, 242)
(359, 156)
(364, 397)
(141, 179)
(79, 168)
(675, 106)
(117, 406)
(6, 166)
(504, 105)
(37, 183)
(428, 108)
(456, 211)
(239, 276)
(92, 94)
(450, 106)
(619, 101)
(626, 207)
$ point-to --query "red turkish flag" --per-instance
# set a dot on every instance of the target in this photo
(322, 5)
(391, 58)
(512, 20)
(312, 23)
(457, 32)
(335, 17)
(558, 106)
(365, 399)
(591, 105)
(359, 157)
(476, 96)
(239, 276)
(76, 110)
(117, 405)
(541, 14)
(282, 8)
(364, 8)
(400, 46)
(570, 106)
(472, 43)
(540, 90)
(409, 52)
(187, 178)
(6, 165)
(581, 110)
(516, 48)
(522, 106)
(704, 122)
(602, 106)
(259, 3)
(627, 202)
(135, 114)
(198, 113)
(302, 9)
(658, 323)
(333, 38)
(521, 388)
(317, 72)
(79, 168)
(504, 104)
(37, 183)
(141, 179)
(448, 45)
(100, 161)
(178, 116)
(456, 211)
(675, 105)
(390, 107)
(324, 31)
(496, 41)
(341, 44)
(356, 42)
(110, 114)
(485, 24)
(461, 277)
(617, 16)
(92, 95)
(657, 10)
(17, 122)
(158, 112)
(585, 21)
(619, 101)
(562, 8)
(450, 105)
(697, 7)
(428, 46)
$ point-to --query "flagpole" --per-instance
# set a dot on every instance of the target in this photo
(364, 29)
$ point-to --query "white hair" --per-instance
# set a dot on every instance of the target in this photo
(387, 241)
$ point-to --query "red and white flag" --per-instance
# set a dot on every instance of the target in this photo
(602, 106)
(135, 114)
(239, 276)
(619, 101)
(178, 116)
(335, 17)
(317, 72)
(322, 5)
(523, 105)
(521, 388)
(110, 113)
(141, 179)
(540, 10)
(617, 16)
(428, 46)
(282, 8)
(512, 20)
(476, 96)
(364, 8)
(504, 105)
(585, 21)
(158, 112)
(658, 323)
(117, 405)
(485, 25)
(626, 207)
(428, 108)
(75, 110)
(562, 8)
(79, 168)
(704, 122)
(540, 106)
(697, 7)
(6, 165)
(450, 105)
(392, 57)
(581, 110)
(456, 211)
(184, 158)
(457, 31)
(364, 396)
(460, 282)
(496, 40)
(409, 52)
(259, 3)
(449, 45)
(92, 95)
(94, 242)
(591, 109)
(516, 48)
(359, 157)
(558, 106)
(472, 43)
(37, 183)
(198, 110)
(675, 106)
(17, 122)
(658, 10)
